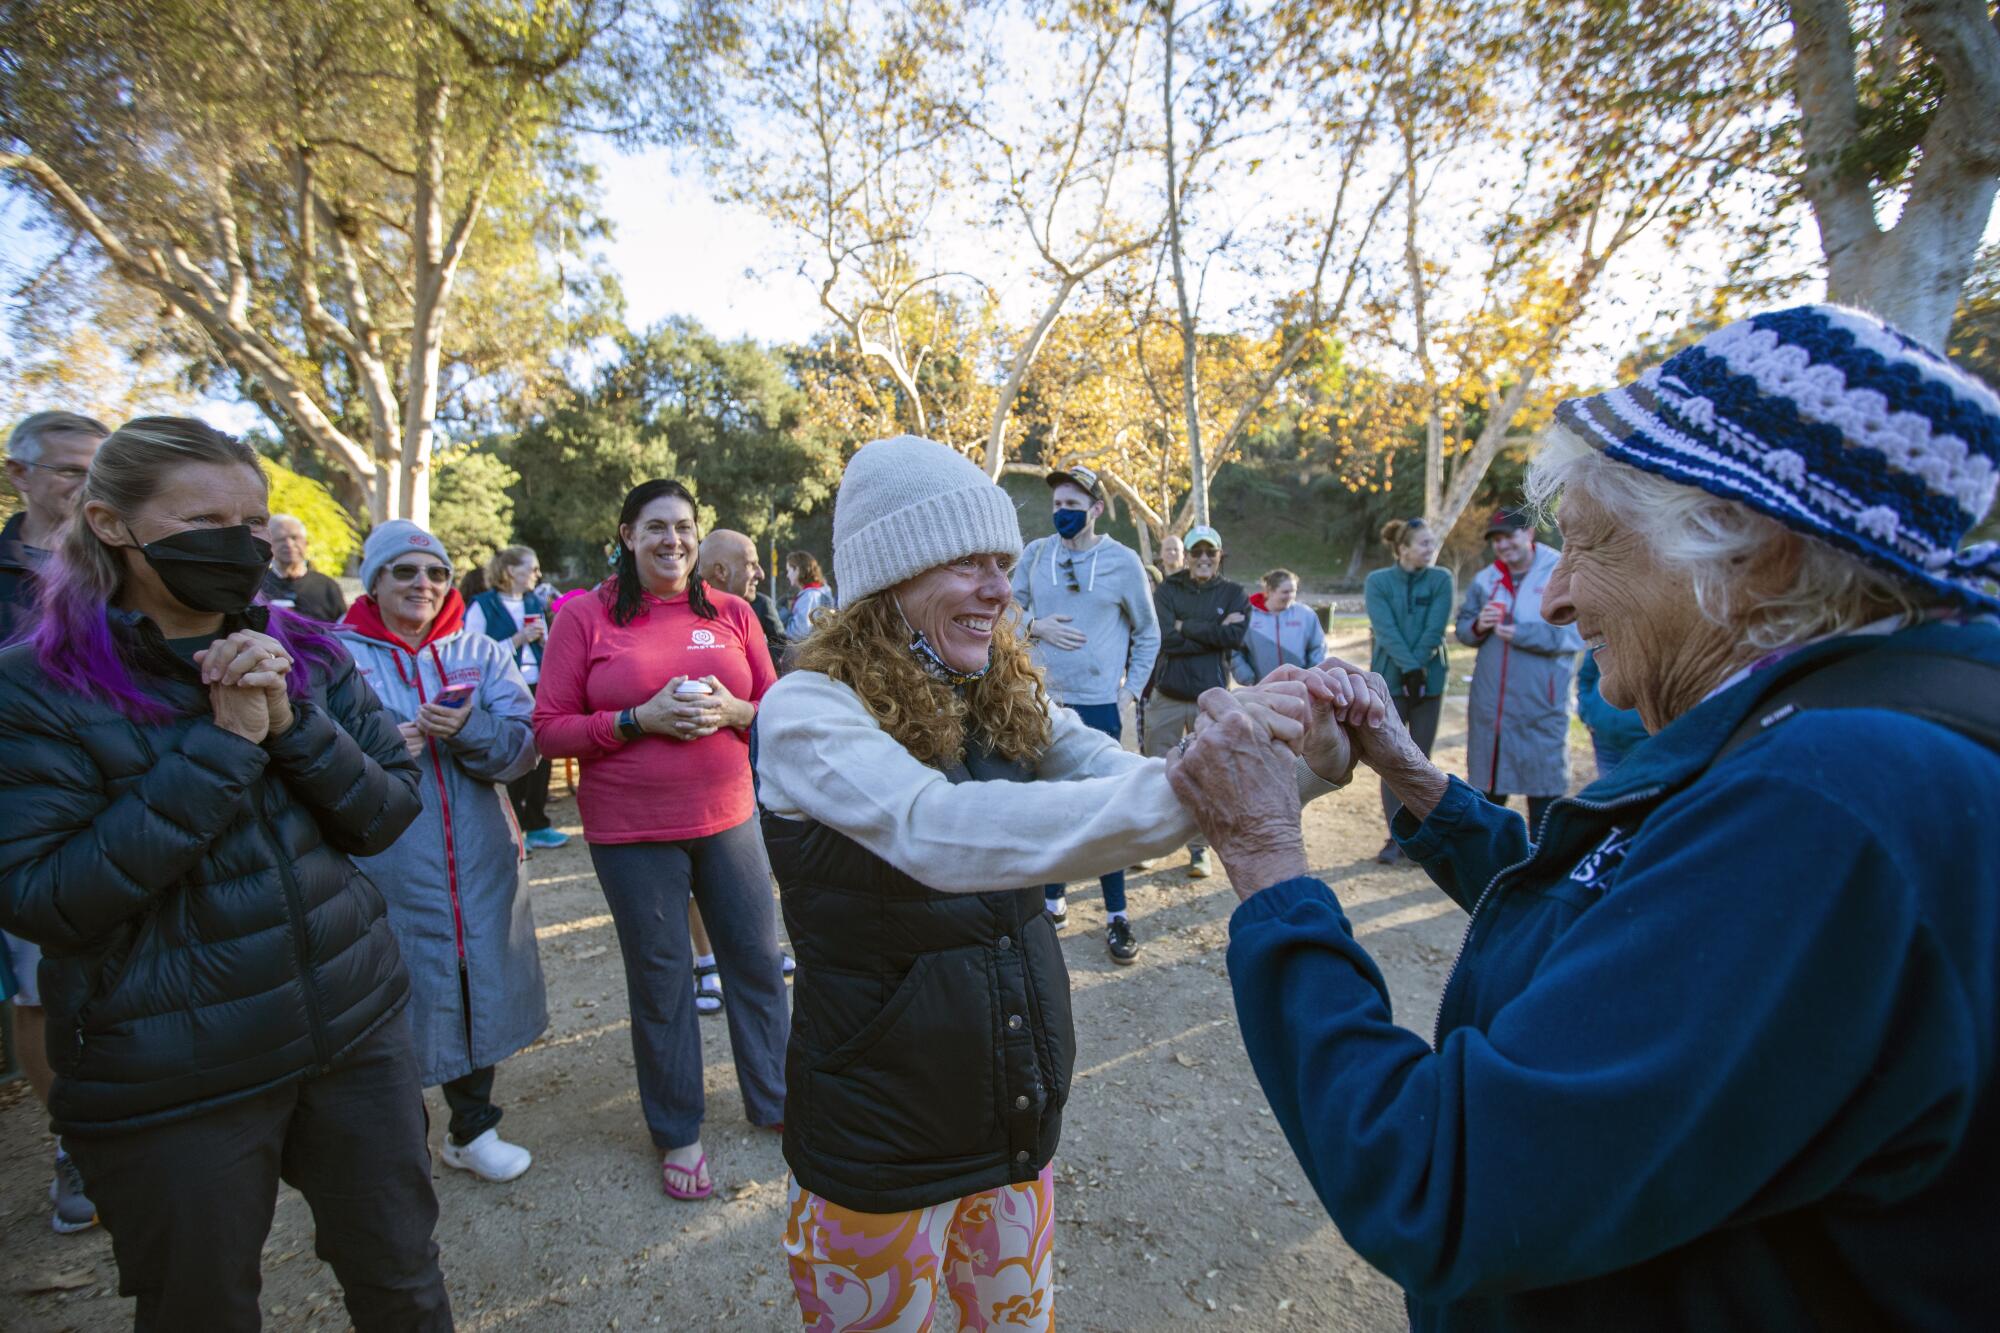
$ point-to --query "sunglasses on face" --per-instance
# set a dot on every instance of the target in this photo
(409, 573)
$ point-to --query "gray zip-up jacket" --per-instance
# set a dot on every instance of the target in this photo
(1105, 594)
(453, 881)
(1517, 718)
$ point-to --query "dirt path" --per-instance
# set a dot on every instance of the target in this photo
(1179, 1204)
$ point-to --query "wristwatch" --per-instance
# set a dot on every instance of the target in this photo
(628, 725)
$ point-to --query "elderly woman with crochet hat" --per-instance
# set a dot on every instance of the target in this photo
(1720, 1051)
(914, 778)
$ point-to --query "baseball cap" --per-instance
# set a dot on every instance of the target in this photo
(1200, 533)
(1508, 520)
(1084, 478)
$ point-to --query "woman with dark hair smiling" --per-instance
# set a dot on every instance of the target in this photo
(183, 777)
(653, 683)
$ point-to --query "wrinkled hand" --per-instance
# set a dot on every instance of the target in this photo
(248, 660)
(1326, 747)
(532, 631)
(242, 709)
(1282, 707)
(1380, 739)
(1241, 787)
(441, 722)
(414, 739)
(1060, 632)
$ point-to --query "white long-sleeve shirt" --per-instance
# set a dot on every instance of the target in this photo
(1094, 808)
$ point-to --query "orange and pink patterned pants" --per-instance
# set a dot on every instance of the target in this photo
(994, 1252)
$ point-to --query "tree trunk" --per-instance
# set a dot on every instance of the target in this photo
(1003, 407)
(1910, 275)
(1413, 264)
(1913, 274)
(1190, 396)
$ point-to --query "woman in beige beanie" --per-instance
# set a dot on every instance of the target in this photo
(913, 774)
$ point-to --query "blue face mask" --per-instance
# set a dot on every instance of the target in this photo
(1071, 522)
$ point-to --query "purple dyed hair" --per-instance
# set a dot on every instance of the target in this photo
(74, 641)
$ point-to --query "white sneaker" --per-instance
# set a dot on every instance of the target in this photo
(489, 1156)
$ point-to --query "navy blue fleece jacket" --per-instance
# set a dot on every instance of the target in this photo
(1718, 1054)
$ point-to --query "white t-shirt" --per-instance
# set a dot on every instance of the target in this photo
(524, 656)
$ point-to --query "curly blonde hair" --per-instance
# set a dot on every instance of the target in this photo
(866, 647)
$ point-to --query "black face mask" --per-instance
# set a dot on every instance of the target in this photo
(211, 569)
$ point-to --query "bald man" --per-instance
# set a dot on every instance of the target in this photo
(729, 562)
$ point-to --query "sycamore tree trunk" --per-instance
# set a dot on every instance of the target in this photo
(1910, 274)
(1190, 388)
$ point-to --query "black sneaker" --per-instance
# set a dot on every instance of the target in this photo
(1118, 941)
(1391, 853)
(1058, 913)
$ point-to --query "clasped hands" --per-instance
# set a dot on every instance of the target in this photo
(666, 714)
(1237, 774)
(246, 673)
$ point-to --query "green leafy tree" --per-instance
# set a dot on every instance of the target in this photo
(729, 412)
(471, 510)
(575, 465)
(724, 417)
(351, 211)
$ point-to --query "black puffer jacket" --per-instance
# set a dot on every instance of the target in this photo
(18, 565)
(204, 935)
(932, 1045)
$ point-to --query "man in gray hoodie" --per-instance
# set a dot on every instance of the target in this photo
(1088, 611)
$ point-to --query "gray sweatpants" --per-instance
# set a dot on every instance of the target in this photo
(646, 885)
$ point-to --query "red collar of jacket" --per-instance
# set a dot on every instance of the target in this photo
(365, 617)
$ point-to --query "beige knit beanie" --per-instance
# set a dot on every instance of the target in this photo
(907, 505)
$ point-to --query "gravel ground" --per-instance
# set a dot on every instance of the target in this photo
(1178, 1201)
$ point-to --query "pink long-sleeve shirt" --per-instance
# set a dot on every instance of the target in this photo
(656, 788)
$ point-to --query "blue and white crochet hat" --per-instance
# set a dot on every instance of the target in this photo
(1831, 422)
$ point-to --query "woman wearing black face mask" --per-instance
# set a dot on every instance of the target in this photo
(182, 777)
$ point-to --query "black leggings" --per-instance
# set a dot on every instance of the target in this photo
(1421, 718)
(530, 793)
(189, 1202)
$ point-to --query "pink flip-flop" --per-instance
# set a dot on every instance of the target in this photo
(695, 1190)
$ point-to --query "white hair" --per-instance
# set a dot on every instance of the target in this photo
(274, 520)
(1714, 541)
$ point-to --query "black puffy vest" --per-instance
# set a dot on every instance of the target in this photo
(932, 1045)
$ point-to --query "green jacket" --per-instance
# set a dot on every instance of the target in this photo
(1408, 614)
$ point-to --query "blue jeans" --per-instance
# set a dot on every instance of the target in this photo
(1104, 718)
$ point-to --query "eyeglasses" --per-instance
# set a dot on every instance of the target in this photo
(409, 573)
(66, 473)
